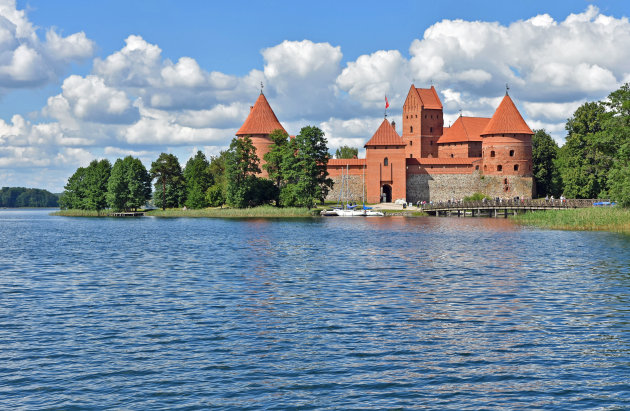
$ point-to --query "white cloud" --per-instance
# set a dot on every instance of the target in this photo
(25, 61)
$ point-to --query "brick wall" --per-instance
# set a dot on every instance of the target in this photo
(443, 187)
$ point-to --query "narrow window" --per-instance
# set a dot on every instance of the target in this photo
(411, 142)
(410, 155)
(451, 155)
(492, 154)
(499, 167)
(511, 153)
(430, 129)
(385, 161)
(515, 167)
(476, 167)
(411, 129)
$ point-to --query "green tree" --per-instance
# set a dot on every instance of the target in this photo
(96, 178)
(170, 189)
(347, 152)
(617, 130)
(215, 195)
(278, 151)
(584, 160)
(129, 185)
(27, 197)
(198, 180)
(74, 194)
(304, 168)
(544, 155)
(241, 169)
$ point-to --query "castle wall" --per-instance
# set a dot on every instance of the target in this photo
(352, 190)
(443, 187)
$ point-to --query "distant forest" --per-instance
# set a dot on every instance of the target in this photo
(14, 197)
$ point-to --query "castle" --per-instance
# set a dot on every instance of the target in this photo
(428, 162)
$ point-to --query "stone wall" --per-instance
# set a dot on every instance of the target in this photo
(352, 190)
(443, 187)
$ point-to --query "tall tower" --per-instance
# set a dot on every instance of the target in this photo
(423, 122)
(507, 142)
(260, 122)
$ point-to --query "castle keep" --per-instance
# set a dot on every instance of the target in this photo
(427, 162)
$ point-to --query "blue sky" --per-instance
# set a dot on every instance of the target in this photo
(82, 80)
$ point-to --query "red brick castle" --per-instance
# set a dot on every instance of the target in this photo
(429, 162)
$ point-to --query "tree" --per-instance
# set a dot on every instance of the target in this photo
(215, 195)
(241, 169)
(170, 184)
(347, 152)
(198, 180)
(73, 196)
(544, 154)
(96, 178)
(274, 160)
(585, 158)
(617, 130)
(129, 185)
(304, 168)
(12, 197)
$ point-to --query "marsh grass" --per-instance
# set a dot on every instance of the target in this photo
(260, 212)
(615, 219)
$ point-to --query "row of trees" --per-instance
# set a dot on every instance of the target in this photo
(13, 197)
(296, 168)
(595, 160)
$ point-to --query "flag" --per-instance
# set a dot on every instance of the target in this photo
(386, 102)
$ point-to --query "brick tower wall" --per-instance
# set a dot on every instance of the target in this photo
(501, 153)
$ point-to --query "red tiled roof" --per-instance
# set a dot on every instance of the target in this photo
(464, 129)
(441, 161)
(346, 161)
(385, 136)
(507, 119)
(261, 119)
(429, 98)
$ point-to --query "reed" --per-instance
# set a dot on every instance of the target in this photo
(615, 219)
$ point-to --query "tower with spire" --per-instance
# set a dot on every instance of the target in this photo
(260, 122)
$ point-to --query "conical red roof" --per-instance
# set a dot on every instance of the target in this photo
(464, 129)
(261, 119)
(386, 135)
(507, 119)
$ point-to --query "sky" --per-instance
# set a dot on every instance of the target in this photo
(83, 80)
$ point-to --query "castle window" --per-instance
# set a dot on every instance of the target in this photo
(410, 142)
(385, 162)
(485, 167)
(511, 153)
(451, 155)
(430, 129)
(425, 116)
(515, 167)
(492, 154)
(477, 167)
(410, 155)
(411, 129)
(431, 142)
(499, 167)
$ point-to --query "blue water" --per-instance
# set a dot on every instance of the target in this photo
(333, 313)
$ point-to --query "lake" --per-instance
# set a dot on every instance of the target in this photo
(321, 313)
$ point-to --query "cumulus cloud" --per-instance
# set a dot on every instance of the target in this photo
(89, 99)
(25, 60)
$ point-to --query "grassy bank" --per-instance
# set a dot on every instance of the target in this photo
(593, 218)
(262, 211)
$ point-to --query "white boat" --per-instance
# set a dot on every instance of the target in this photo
(350, 213)
(372, 213)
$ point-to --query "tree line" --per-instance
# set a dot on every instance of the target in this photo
(15, 197)
(296, 168)
(594, 162)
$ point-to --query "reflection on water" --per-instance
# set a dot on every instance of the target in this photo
(313, 313)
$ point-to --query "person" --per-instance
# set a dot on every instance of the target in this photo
(547, 198)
